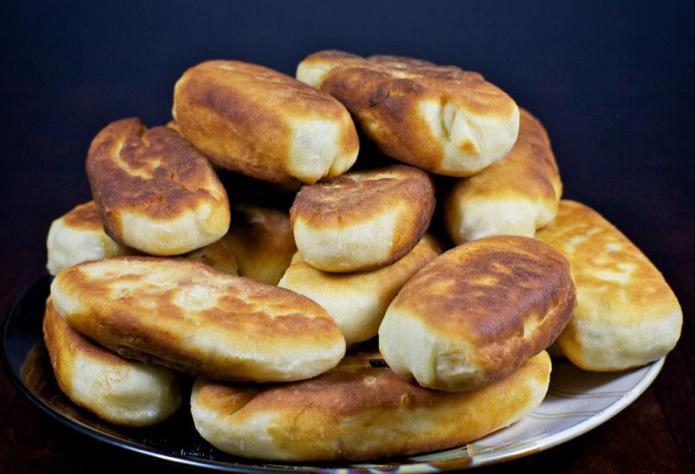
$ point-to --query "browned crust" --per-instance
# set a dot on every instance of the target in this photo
(218, 255)
(384, 93)
(175, 177)
(61, 338)
(84, 216)
(63, 343)
(647, 292)
(259, 244)
(235, 113)
(249, 313)
(262, 239)
(357, 196)
(361, 385)
(529, 169)
(340, 392)
(486, 291)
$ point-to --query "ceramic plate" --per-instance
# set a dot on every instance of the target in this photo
(576, 402)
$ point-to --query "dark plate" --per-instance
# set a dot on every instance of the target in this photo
(576, 402)
(26, 361)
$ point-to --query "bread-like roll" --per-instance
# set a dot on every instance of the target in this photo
(361, 410)
(438, 118)
(190, 317)
(78, 236)
(514, 196)
(117, 390)
(626, 314)
(357, 301)
(262, 123)
(362, 220)
(477, 312)
(154, 191)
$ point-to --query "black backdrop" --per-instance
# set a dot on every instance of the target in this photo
(612, 82)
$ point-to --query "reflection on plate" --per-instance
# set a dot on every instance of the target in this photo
(577, 402)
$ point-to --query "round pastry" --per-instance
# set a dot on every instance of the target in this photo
(626, 313)
(361, 410)
(514, 196)
(357, 301)
(187, 316)
(117, 390)
(362, 220)
(78, 236)
(439, 118)
(154, 191)
(261, 123)
(477, 312)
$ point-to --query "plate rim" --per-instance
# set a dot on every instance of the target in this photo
(595, 420)
(543, 444)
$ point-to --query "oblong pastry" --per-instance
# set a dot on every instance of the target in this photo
(357, 301)
(515, 196)
(117, 390)
(477, 312)
(362, 220)
(154, 191)
(438, 118)
(78, 236)
(190, 317)
(626, 314)
(262, 123)
(361, 410)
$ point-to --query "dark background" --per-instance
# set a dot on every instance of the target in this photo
(612, 82)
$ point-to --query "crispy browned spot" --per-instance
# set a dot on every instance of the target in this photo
(237, 114)
(262, 240)
(384, 94)
(358, 411)
(608, 268)
(154, 172)
(356, 197)
(509, 297)
(143, 320)
(85, 216)
(359, 195)
(339, 392)
(62, 342)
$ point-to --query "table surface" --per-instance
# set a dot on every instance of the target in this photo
(612, 83)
